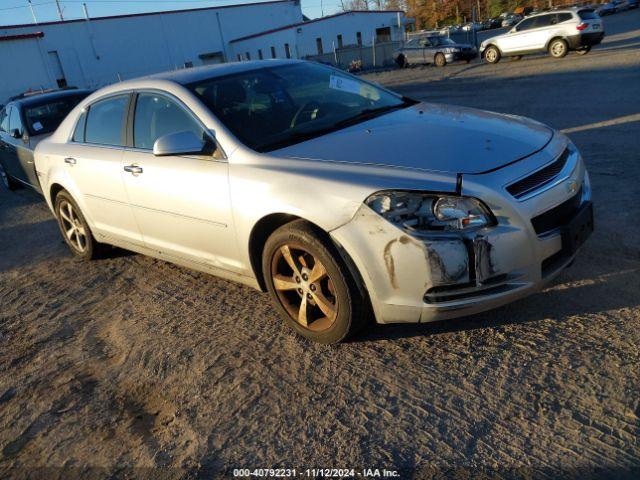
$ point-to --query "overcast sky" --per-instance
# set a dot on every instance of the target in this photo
(17, 11)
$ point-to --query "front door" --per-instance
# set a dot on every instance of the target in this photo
(181, 203)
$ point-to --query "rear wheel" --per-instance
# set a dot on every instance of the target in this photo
(311, 286)
(440, 60)
(74, 228)
(7, 181)
(492, 55)
(583, 50)
(558, 48)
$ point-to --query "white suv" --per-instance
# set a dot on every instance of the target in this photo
(556, 32)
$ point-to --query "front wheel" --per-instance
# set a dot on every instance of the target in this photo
(7, 181)
(311, 286)
(440, 60)
(492, 55)
(583, 50)
(558, 48)
(74, 228)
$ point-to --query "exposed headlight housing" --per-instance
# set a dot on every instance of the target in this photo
(427, 212)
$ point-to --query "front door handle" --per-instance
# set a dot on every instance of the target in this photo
(70, 161)
(134, 169)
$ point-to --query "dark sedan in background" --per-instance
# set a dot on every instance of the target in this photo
(438, 50)
(24, 122)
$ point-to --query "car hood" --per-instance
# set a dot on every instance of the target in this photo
(430, 137)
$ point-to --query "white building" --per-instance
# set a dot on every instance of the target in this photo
(322, 35)
(99, 51)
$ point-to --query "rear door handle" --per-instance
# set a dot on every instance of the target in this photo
(70, 161)
(134, 169)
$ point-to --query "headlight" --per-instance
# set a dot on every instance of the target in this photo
(451, 50)
(415, 211)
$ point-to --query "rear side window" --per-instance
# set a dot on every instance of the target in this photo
(563, 17)
(105, 120)
(156, 116)
(588, 15)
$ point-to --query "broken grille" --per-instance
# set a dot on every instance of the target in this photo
(539, 178)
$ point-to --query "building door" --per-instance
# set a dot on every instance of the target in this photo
(56, 68)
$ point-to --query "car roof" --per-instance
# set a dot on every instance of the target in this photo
(190, 75)
(42, 98)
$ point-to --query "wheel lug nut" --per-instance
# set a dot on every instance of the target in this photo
(297, 279)
(300, 291)
(305, 277)
(313, 288)
(309, 296)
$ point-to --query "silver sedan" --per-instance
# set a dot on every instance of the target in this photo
(343, 200)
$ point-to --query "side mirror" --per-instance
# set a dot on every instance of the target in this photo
(182, 143)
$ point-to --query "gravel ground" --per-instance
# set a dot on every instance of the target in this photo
(115, 368)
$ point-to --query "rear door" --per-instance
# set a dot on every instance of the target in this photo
(95, 164)
(181, 202)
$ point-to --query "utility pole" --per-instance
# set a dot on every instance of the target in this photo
(33, 13)
(59, 10)
(86, 10)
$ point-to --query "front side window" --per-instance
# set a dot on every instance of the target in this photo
(105, 120)
(15, 123)
(157, 116)
(271, 108)
(46, 117)
(4, 119)
(525, 25)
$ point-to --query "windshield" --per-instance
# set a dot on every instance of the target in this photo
(271, 108)
(46, 117)
(438, 41)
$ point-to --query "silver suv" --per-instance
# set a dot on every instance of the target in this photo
(556, 32)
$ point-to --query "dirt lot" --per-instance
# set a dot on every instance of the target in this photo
(122, 365)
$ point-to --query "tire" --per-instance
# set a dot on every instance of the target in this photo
(439, 60)
(80, 241)
(401, 61)
(515, 58)
(492, 54)
(558, 48)
(583, 51)
(8, 182)
(302, 267)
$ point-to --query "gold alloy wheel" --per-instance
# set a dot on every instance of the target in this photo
(304, 288)
(72, 227)
(558, 48)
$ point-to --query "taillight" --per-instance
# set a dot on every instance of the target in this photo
(582, 26)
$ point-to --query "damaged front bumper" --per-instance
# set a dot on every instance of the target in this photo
(428, 277)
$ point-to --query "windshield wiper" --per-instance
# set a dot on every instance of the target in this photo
(370, 113)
